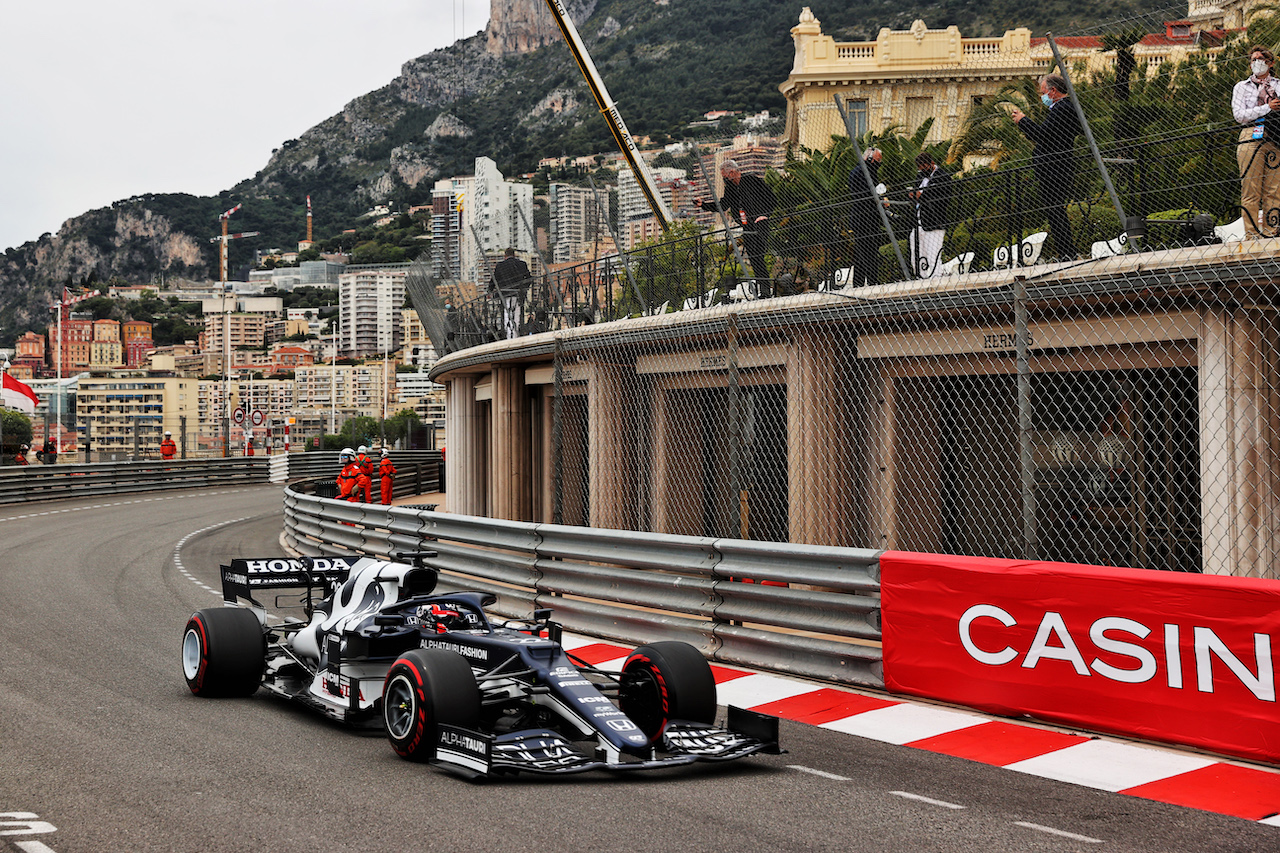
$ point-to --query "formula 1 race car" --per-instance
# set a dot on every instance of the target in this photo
(451, 687)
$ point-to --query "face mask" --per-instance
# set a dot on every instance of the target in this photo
(1259, 67)
(1046, 100)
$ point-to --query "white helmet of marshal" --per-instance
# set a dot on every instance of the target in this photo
(362, 450)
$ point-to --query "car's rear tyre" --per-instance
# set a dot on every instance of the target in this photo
(424, 688)
(667, 681)
(224, 651)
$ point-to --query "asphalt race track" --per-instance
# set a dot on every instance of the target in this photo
(102, 747)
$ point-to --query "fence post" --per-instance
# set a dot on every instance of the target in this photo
(884, 214)
(1026, 458)
(1093, 146)
(557, 436)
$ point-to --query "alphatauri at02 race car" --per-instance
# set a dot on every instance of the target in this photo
(452, 687)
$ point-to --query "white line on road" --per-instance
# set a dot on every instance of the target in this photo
(1049, 829)
(33, 847)
(930, 800)
(824, 774)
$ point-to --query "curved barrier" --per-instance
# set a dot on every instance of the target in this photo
(635, 587)
(29, 483)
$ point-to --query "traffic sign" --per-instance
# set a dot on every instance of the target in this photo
(258, 417)
(237, 415)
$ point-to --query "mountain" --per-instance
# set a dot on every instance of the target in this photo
(512, 93)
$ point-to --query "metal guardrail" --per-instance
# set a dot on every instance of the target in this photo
(636, 587)
(417, 473)
(30, 483)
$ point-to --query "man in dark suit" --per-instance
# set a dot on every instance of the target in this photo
(865, 221)
(1052, 160)
(748, 199)
(932, 195)
(510, 280)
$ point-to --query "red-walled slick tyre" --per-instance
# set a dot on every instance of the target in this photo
(224, 652)
(667, 681)
(423, 688)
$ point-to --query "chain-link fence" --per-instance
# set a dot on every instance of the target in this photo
(1047, 333)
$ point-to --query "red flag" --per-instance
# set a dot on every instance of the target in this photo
(18, 395)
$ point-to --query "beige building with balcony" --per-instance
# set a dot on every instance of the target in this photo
(907, 76)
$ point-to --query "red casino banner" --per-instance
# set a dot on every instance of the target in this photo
(1186, 659)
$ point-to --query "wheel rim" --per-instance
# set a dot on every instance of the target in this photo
(191, 654)
(644, 701)
(400, 707)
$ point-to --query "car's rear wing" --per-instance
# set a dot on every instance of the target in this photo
(243, 577)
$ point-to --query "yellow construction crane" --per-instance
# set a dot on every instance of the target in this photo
(610, 111)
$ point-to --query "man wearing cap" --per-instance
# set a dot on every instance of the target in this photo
(167, 447)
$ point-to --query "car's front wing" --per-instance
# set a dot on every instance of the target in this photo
(544, 751)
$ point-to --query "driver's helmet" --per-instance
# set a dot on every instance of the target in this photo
(444, 618)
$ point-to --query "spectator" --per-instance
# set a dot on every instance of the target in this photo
(865, 221)
(168, 448)
(49, 453)
(1051, 159)
(387, 475)
(510, 279)
(748, 199)
(1253, 100)
(932, 195)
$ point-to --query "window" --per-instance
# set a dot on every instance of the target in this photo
(857, 115)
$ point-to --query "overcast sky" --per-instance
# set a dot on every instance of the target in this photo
(105, 100)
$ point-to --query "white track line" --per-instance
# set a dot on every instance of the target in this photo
(824, 774)
(177, 553)
(923, 799)
(1061, 832)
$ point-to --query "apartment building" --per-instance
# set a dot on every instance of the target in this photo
(416, 349)
(370, 302)
(105, 349)
(115, 414)
(355, 389)
(477, 217)
(579, 218)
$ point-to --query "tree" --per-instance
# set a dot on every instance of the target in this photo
(17, 431)
(398, 425)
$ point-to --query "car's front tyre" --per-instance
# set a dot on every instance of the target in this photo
(224, 652)
(424, 688)
(667, 681)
